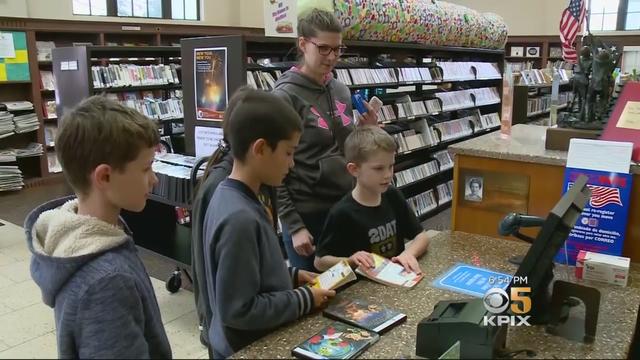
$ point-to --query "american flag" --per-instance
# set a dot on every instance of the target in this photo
(570, 25)
(603, 195)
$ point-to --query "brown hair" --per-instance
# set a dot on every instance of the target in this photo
(365, 141)
(101, 131)
(318, 20)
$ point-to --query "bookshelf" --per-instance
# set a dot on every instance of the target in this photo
(532, 101)
(433, 97)
(144, 78)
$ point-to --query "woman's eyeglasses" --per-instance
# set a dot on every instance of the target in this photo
(325, 50)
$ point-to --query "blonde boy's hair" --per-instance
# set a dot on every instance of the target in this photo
(101, 131)
(365, 141)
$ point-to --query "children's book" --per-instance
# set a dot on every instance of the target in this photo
(389, 273)
(360, 313)
(336, 341)
(338, 275)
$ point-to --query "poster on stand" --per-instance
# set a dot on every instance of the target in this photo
(601, 227)
(211, 87)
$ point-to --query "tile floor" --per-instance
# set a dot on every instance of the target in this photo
(27, 325)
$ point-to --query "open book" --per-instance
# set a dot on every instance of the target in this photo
(338, 275)
(389, 273)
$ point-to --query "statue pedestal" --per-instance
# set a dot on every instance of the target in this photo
(558, 138)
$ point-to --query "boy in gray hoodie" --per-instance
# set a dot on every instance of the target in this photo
(250, 289)
(83, 256)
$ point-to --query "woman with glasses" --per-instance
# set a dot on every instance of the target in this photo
(319, 178)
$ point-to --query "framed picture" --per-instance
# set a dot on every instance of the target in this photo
(473, 188)
(555, 52)
(533, 51)
(517, 51)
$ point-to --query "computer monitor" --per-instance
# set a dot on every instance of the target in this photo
(537, 265)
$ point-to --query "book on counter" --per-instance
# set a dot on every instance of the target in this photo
(389, 273)
(338, 275)
(336, 341)
(372, 317)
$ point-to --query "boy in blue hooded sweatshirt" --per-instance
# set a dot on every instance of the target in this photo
(83, 256)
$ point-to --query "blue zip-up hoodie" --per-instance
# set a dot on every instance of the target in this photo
(90, 274)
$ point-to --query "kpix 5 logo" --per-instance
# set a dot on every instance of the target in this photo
(497, 301)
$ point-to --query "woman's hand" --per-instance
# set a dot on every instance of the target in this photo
(303, 242)
(368, 118)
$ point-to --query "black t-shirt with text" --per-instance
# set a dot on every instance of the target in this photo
(382, 229)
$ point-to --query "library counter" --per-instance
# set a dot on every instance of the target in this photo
(518, 175)
(618, 308)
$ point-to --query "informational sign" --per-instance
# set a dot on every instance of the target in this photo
(206, 139)
(601, 227)
(211, 88)
(14, 57)
(471, 280)
(280, 18)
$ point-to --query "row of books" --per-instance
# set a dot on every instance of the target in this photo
(262, 79)
(445, 192)
(53, 163)
(418, 108)
(454, 129)
(47, 80)
(11, 154)
(17, 124)
(522, 65)
(153, 104)
(174, 177)
(444, 159)
(122, 75)
(454, 100)
(485, 96)
(542, 104)
(423, 203)
(22, 105)
(10, 177)
(416, 173)
(488, 121)
(412, 139)
(544, 76)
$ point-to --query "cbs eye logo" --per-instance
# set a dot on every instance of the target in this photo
(496, 300)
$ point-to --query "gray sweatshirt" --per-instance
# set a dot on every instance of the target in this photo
(90, 274)
(250, 289)
(319, 178)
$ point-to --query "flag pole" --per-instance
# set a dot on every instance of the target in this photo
(587, 7)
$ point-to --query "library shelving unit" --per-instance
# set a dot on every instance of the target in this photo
(433, 97)
(123, 73)
(33, 167)
(532, 101)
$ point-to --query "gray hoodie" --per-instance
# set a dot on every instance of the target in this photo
(90, 274)
(319, 178)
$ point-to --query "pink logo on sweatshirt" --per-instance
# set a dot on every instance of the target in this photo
(340, 110)
(322, 123)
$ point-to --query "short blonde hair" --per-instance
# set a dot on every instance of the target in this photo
(101, 131)
(365, 141)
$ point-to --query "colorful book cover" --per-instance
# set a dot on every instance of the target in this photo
(211, 88)
(389, 273)
(336, 341)
(376, 318)
(338, 275)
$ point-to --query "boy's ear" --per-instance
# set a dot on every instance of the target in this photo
(353, 168)
(259, 147)
(101, 175)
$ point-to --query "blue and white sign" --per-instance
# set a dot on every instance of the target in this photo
(601, 227)
(471, 280)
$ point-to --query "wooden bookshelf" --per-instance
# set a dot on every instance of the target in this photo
(281, 53)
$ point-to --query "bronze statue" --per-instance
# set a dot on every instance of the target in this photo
(593, 85)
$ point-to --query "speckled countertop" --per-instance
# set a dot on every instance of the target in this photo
(615, 325)
(526, 144)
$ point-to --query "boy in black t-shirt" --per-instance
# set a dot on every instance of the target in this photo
(374, 217)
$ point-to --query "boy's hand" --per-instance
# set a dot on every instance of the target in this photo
(321, 297)
(305, 277)
(368, 118)
(362, 258)
(303, 242)
(408, 261)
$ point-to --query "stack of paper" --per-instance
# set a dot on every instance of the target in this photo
(6, 124)
(10, 178)
(33, 149)
(26, 123)
(18, 105)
